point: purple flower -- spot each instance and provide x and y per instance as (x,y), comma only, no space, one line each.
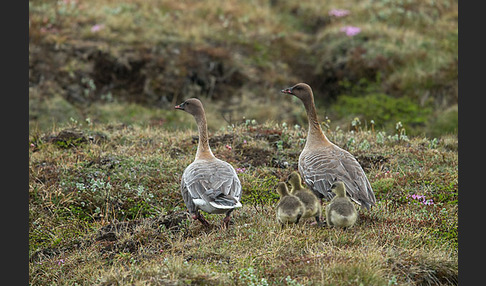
(421,199)
(338,13)
(240,170)
(97,27)
(417,197)
(428,202)
(61,261)
(350,30)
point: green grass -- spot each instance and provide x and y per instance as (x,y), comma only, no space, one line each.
(109,211)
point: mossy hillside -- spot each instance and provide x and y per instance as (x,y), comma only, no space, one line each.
(240,54)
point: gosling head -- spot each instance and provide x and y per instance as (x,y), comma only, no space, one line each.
(301,90)
(192,105)
(282,189)
(295,181)
(339,189)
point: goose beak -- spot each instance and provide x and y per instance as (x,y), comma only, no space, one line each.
(287,90)
(180,106)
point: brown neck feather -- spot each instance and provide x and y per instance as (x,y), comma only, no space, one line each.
(315,134)
(203,149)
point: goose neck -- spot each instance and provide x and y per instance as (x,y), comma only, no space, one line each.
(203,149)
(315,134)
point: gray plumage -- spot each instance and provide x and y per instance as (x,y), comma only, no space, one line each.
(322,163)
(323,166)
(340,211)
(289,208)
(208,184)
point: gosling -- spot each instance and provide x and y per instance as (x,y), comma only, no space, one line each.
(312,204)
(341,211)
(289,209)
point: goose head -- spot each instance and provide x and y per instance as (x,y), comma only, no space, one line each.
(192,106)
(339,189)
(294,180)
(282,189)
(301,90)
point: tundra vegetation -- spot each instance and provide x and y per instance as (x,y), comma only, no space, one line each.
(105,208)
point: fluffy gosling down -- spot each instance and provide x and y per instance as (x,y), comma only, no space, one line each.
(340,211)
(289,209)
(311,203)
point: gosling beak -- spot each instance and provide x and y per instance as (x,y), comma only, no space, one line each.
(287,90)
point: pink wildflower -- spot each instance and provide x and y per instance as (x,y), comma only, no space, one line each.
(338,13)
(240,170)
(428,202)
(422,199)
(416,197)
(97,27)
(351,31)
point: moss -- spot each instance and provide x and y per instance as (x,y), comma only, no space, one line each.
(384,110)
(444,122)
(55,110)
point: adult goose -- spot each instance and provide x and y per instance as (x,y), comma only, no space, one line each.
(208,184)
(321,162)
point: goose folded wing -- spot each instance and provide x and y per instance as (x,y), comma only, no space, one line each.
(213,183)
(321,169)
(357,185)
(316,173)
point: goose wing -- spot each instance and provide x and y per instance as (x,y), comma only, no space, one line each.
(321,167)
(215,182)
